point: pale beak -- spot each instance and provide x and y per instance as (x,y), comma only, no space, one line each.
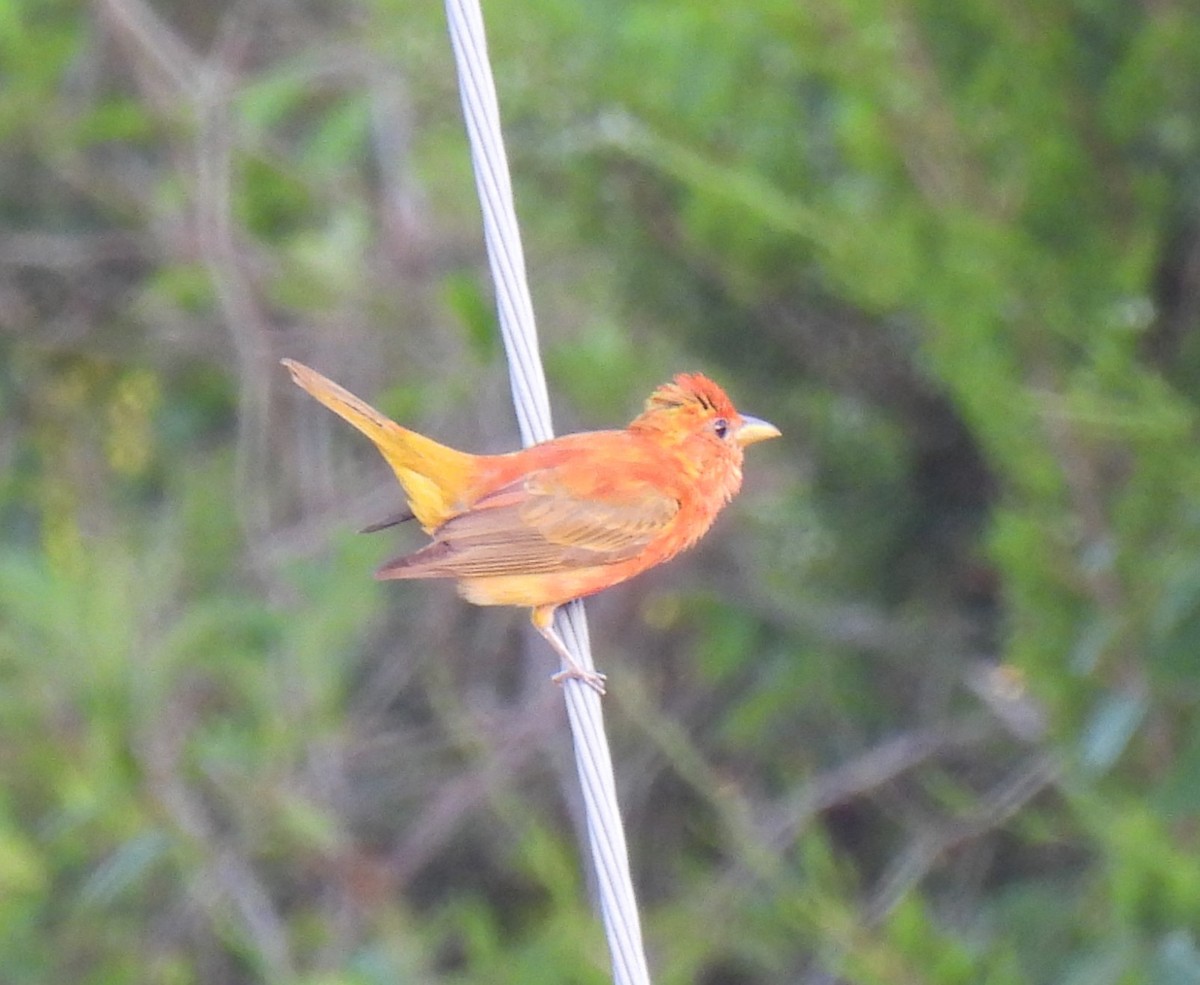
(753,430)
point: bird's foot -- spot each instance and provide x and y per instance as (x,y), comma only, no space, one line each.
(572,671)
(593,679)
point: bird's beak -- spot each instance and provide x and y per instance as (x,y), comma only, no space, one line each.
(753,430)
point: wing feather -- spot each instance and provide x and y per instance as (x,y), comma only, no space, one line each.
(539,525)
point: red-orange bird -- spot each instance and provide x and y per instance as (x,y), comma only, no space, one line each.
(570,516)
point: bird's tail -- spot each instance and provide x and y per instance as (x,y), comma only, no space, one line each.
(434,476)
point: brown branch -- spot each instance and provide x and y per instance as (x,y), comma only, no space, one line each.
(931,844)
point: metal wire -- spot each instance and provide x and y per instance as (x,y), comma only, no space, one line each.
(606,834)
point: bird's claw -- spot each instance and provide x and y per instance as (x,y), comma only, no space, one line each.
(593,679)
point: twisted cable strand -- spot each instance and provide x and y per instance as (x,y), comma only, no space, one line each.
(606,834)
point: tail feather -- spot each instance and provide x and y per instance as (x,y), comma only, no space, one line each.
(397,518)
(434,476)
(428,562)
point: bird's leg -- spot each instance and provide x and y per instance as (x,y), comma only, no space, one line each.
(543,617)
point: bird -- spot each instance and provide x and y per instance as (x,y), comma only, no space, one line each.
(565,518)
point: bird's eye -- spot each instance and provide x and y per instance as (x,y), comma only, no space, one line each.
(720,427)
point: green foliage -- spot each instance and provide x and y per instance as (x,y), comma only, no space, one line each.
(922,709)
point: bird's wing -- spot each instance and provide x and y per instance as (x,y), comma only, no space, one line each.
(552,520)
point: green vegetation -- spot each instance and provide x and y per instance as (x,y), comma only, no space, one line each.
(923,709)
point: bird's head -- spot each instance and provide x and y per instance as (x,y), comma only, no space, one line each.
(696,414)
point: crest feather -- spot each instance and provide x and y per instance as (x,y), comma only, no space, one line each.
(693,389)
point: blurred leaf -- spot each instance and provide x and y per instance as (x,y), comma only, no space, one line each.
(1112,724)
(328,259)
(187,285)
(1176,960)
(1178,795)
(339,138)
(729,640)
(1093,642)
(272,203)
(1107,965)
(121,872)
(22,866)
(595,365)
(1177,626)
(464,297)
(269,99)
